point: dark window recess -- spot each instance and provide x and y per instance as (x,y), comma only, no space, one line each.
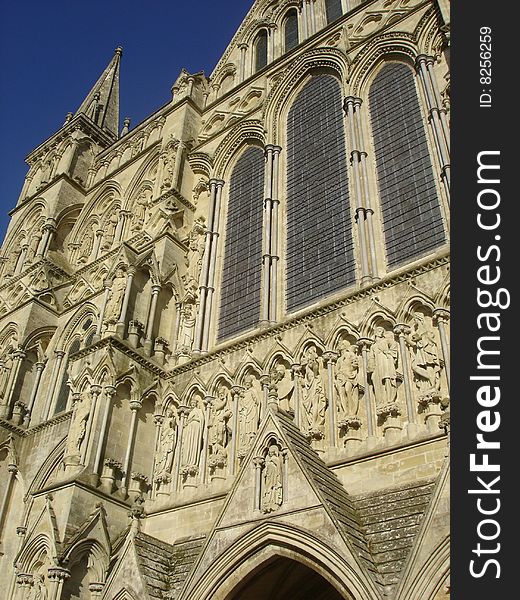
(320,254)
(241,276)
(334,10)
(291,30)
(261,50)
(412,219)
(63,396)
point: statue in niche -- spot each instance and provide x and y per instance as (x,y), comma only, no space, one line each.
(12,259)
(188,325)
(87,242)
(169,167)
(38,591)
(6,364)
(272,492)
(382,365)
(78,426)
(115,299)
(219,429)
(348,380)
(166,448)
(248,412)
(192,437)
(110,231)
(194,257)
(281,377)
(426,364)
(314,401)
(33,246)
(139,210)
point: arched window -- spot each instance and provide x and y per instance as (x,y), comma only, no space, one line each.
(320,254)
(261,50)
(412,219)
(333,9)
(241,276)
(291,30)
(63,395)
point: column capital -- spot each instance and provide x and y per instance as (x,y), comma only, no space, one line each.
(58,574)
(95,389)
(424,59)
(96,588)
(184,411)
(135,405)
(365,343)
(156,288)
(258,461)
(441,315)
(12,469)
(59,353)
(24,579)
(265,379)
(19,354)
(402,329)
(110,390)
(330,356)
(21,530)
(237,389)
(208,400)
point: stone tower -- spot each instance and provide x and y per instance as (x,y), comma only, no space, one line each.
(224,333)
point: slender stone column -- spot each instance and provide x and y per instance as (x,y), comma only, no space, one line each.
(24,583)
(304,26)
(148,342)
(237,391)
(39,366)
(365,344)
(135,406)
(48,231)
(18,358)
(264,382)
(402,330)
(110,392)
(178,163)
(442,317)
(53,382)
(275,203)
(197,346)
(97,243)
(313,27)
(259,462)
(119,228)
(266,254)
(436,113)
(121,324)
(243,63)
(355,161)
(21,260)
(212,267)
(99,328)
(330,359)
(57,577)
(183,412)
(13,470)
(208,400)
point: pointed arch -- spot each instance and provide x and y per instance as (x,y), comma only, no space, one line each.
(247,132)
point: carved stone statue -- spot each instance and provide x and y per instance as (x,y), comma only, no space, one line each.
(281,377)
(86,245)
(39,591)
(110,231)
(192,435)
(348,380)
(382,365)
(169,167)
(33,246)
(139,209)
(12,259)
(272,492)
(220,415)
(426,364)
(188,325)
(166,447)
(314,401)
(78,426)
(194,257)
(248,412)
(115,299)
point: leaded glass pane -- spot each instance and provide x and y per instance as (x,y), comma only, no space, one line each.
(291,30)
(412,219)
(241,276)
(261,50)
(320,254)
(334,10)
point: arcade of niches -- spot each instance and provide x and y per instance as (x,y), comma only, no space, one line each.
(224,332)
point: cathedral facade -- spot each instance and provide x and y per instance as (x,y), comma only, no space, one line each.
(224,333)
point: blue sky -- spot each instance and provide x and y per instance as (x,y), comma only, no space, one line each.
(53,51)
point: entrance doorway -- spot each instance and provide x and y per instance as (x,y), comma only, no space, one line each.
(284,578)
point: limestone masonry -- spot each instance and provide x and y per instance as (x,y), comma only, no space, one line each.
(224,333)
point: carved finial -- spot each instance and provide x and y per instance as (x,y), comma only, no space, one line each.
(119,51)
(126,126)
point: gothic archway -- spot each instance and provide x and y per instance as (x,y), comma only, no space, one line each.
(282,578)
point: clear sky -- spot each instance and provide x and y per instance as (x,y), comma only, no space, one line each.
(53,51)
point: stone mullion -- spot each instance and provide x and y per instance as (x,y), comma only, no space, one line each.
(365,344)
(441,136)
(199,329)
(40,366)
(442,317)
(355,161)
(110,392)
(331,359)
(152,315)
(402,330)
(369,211)
(266,238)
(121,324)
(53,382)
(212,268)
(275,204)
(135,406)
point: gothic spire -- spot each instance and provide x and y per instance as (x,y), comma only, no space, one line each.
(102,103)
